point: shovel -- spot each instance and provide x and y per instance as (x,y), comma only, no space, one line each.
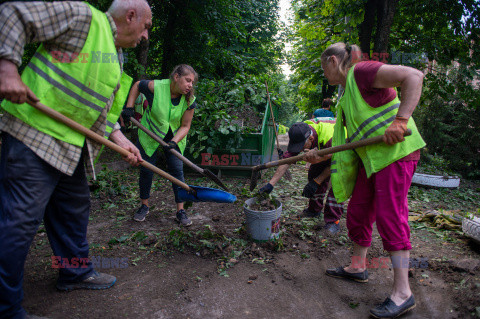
(196,192)
(323,152)
(204,172)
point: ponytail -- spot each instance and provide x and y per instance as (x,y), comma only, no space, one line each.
(347,55)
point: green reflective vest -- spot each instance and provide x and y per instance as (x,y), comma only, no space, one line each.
(78,87)
(324,132)
(161,116)
(364,121)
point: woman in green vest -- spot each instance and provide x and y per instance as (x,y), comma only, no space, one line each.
(171,104)
(376,177)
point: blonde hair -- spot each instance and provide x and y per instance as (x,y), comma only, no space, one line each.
(182,70)
(347,55)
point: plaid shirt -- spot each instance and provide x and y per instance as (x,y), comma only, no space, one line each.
(61,26)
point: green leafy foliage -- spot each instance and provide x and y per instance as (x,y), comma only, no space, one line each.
(219,38)
(230,108)
(454,104)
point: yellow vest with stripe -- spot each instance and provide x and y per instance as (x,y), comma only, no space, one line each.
(79,88)
(162,115)
(324,132)
(364,121)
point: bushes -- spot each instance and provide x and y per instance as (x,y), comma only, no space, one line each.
(449,120)
(235,106)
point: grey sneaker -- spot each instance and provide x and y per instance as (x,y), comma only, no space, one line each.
(182,218)
(141,213)
(96,280)
(332,228)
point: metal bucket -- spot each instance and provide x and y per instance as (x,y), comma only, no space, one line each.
(262,225)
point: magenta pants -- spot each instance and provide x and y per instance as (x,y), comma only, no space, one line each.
(382,198)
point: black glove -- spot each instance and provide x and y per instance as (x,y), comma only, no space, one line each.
(266,189)
(127,113)
(280,153)
(310,189)
(170,146)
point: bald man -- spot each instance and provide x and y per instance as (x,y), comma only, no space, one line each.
(78,71)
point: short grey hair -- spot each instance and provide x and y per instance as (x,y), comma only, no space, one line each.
(119,8)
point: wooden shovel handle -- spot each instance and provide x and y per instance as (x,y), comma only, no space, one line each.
(163,143)
(100,139)
(326,151)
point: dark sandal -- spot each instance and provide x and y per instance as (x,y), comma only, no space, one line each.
(388,309)
(341,273)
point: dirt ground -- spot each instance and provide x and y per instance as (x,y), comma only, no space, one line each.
(213,270)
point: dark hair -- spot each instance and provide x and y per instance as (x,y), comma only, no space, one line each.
(182,70)
(327,103)
(347,55)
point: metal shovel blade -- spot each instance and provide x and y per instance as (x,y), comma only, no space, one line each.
(213,177)
(205,194)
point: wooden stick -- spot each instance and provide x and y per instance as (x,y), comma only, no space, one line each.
(100,139)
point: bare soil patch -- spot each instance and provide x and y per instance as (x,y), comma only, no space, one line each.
(213,270)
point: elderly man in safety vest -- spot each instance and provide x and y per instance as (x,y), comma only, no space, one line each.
(306,136)
(78,71)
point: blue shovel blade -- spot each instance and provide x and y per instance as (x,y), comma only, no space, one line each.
(206,194)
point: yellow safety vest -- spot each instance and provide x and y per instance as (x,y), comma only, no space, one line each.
(161,116)
(364,121)
(79,88)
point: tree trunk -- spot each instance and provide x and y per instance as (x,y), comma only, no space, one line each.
(142,58)
(385,14)
(366,27)
(168,47)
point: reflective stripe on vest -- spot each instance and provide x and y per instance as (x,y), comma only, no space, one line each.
(76,89)
(376,127)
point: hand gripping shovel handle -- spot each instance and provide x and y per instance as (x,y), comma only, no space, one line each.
(200,170)
(100,139)
(326,151)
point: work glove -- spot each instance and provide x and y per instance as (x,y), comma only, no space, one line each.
(266,189)
(310,189)
(170,146)
(394,133)
(280,153)
(127,113)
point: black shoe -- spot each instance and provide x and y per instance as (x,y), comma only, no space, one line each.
(388,309)
(141,213)
(341,273)
(307,213)
(96,280)
(183,219)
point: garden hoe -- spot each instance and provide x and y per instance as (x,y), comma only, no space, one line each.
(186,192)
(204,172)
(323,152)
